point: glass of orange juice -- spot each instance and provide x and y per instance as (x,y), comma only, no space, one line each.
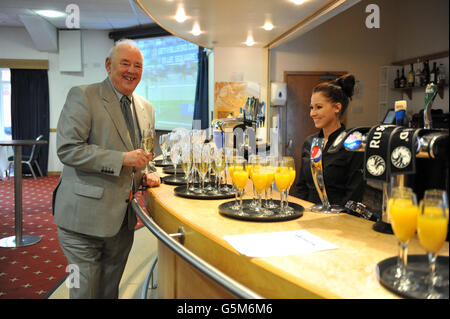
(282,178)
(259,179)
(403,211)
(240,178)
(432,224)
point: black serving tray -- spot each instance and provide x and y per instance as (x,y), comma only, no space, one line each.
(183,192)
(251,215)
(418,267)
(172,180)
(159,163)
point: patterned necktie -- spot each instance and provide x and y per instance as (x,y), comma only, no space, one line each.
(126,110)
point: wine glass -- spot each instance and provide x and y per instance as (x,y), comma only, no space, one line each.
(175,155)
(240,178)
(259,179)
(205,163)
(196,161)
(403,211)
(432,224)
(186,162)
(219,166)
(292,174)
(147,143)
(163,143)
(270,167)
(283,177)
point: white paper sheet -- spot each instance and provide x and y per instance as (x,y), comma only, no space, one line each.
(278,244)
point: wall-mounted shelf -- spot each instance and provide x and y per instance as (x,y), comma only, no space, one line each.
(408,90)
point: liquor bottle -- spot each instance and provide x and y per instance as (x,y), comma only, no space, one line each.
(397,80)
(433,74)
(441,75)
(426,72)
(418,74)
(411,76)
(403,79)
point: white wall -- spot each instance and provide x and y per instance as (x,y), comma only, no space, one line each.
(17,44)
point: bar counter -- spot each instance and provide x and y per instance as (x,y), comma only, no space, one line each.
(347,272)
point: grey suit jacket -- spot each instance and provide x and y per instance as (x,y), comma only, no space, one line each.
(92,139)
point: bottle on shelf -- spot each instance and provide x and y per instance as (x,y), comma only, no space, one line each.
(418,75)
(441,75)
(411,76)
(433,74)
(426,72)
(397,80)
(403,78)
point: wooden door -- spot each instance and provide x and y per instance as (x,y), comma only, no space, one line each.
(298,123)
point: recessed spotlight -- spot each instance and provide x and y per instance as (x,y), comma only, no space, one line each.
(298,2)
(249,42)
(268,26)
(51,13)
(196,29)
(180,15)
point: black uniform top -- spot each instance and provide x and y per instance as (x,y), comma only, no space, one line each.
(343,173)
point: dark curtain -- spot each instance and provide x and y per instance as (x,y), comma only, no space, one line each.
(201,92)
(30,116)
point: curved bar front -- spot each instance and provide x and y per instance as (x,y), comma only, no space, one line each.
(346,272)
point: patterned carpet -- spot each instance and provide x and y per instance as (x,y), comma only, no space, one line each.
(31,272)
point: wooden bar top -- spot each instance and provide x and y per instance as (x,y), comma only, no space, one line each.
(347,272)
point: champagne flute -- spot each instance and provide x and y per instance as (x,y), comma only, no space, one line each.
(147,143)
(282,178)
(292,174)
(219,165)
(432,224)
(186,162)
(259,179)
(403,211)
(252,162)
(163,143)
(175,155)
(204,164)
(240,178)
(271,167)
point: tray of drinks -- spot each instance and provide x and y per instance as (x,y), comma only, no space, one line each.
(162,163)
(251,213)
(209,192)
(418,271)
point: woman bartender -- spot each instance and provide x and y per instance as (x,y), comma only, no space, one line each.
(343,175)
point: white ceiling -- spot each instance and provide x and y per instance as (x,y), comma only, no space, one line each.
(228,22)
(223,22)
(94,14)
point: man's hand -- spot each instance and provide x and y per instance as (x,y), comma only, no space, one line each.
(151,179)
(137,158)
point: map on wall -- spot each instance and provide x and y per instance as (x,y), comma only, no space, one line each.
(229,97)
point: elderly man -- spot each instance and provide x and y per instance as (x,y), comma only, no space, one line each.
(98,141)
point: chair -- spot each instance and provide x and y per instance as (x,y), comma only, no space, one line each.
(31,159)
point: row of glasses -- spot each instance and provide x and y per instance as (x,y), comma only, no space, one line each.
(263,172)
(430,219)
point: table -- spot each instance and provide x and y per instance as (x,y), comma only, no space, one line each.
(348,272)
(19,240)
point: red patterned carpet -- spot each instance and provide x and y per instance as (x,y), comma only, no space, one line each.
(31,272)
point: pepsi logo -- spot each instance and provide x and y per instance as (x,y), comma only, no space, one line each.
(316,154)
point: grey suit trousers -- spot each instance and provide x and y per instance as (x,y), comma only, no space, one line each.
(100,260)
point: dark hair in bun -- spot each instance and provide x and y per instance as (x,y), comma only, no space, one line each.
(338,91)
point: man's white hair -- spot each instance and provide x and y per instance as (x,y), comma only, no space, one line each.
(113,50)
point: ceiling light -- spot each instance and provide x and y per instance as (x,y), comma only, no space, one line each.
(298,2)
(268,26)
(250,41)
(196,29)
(50,13)
(180,16)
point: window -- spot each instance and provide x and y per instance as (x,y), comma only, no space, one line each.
(5,105)
(169,80)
